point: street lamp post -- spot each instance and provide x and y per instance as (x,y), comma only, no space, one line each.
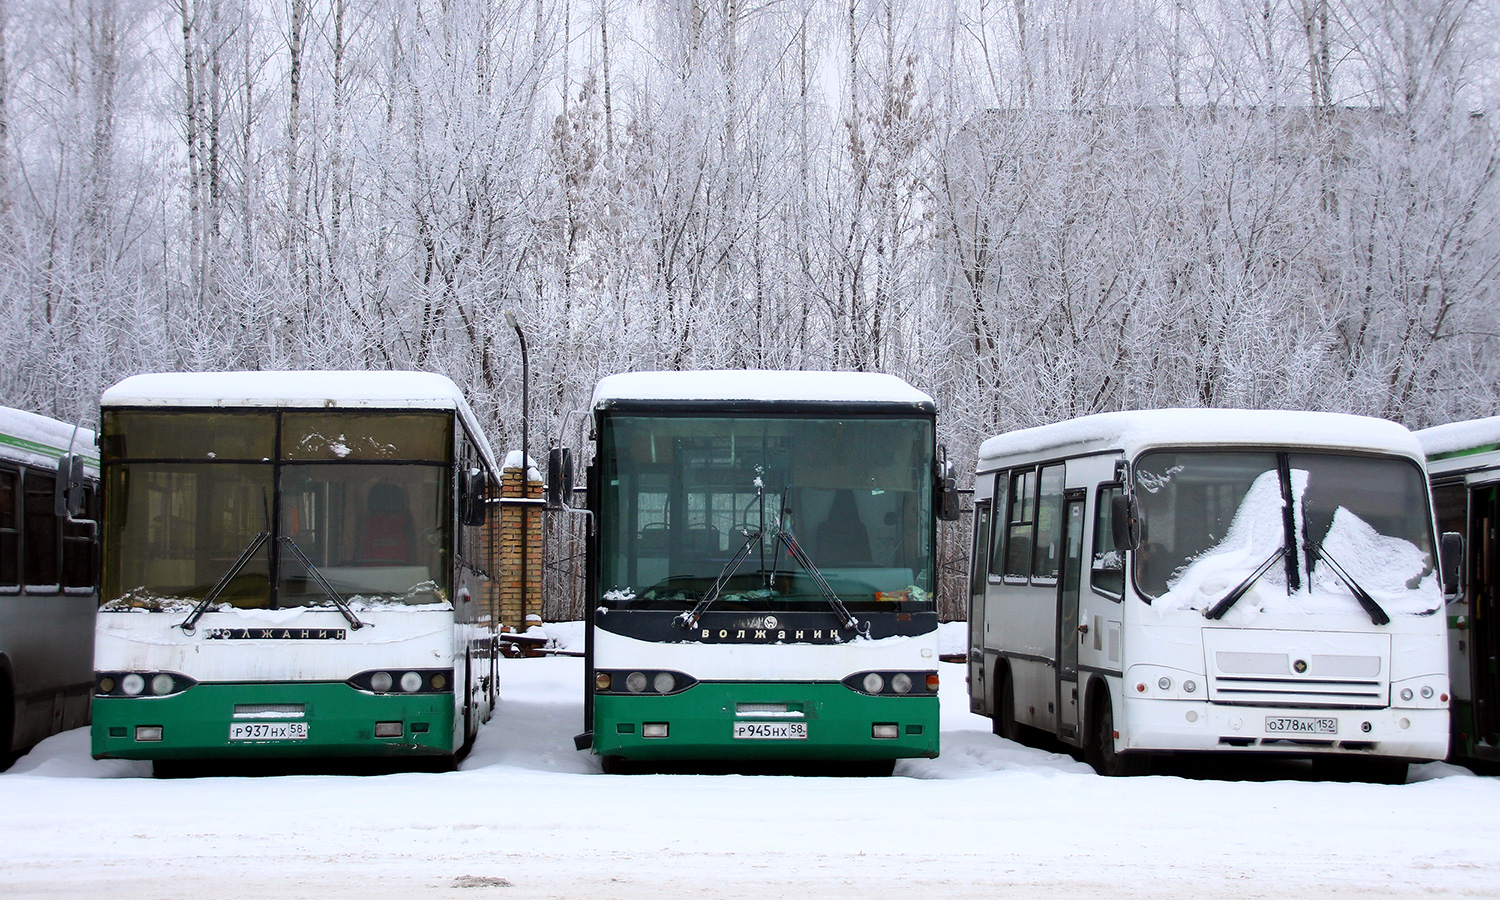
(510,319)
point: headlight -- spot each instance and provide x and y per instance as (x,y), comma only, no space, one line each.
(133,684)
(663,682)
(873,683)
(381,682)
(411,682)
(1406,694)
(1164,683)
(635,682)
(161,684)
(901,683)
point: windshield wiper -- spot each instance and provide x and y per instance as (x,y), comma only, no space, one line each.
(1377,615)
(338,599)
(1218,610)
(690,619)
(213,594)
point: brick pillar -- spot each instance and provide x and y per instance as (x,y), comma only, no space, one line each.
(521,561)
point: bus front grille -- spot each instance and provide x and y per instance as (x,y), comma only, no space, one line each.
(1301,692)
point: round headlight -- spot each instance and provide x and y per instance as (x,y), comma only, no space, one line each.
(1164,683)
(411,682)
(874,684)
(664,682)
(161,684)
(1406,694)
(380,682)
(132,684)
(1190,685)
(635,682)
(1426,692)
(901,683)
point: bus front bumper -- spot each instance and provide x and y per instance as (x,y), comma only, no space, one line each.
(1200,726)
(272,720)
(765,721)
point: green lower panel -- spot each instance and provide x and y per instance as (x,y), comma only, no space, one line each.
(700,723)
(339,720)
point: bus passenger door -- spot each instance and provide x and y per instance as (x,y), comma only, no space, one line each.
(1068,634)
(1484,612)
(979,566)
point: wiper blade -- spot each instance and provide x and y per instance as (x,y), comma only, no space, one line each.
(801,556)
(1377,615)
(689,619)
(1218,610)
(338,599)
(213,594)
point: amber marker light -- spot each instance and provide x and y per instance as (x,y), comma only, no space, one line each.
(601,681)
(932,682)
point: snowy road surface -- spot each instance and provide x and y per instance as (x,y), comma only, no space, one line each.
(527,817)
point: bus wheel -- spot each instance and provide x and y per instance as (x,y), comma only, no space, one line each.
(1101,754)
(615,765)
(1004,719)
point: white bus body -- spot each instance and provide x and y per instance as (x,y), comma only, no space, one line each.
(1463,460)
(47,582)
(1177,644)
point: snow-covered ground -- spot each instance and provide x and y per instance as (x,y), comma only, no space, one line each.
(527,816)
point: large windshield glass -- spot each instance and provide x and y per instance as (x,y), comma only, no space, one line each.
(275,509)
(683,496)
(1211,520)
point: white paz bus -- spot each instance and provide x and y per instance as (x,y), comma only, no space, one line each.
(1211,581)
(295,564)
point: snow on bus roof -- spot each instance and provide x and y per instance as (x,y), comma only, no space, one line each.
(1137,430)
(758,385)
(1456,437)
(41,441)
(330,389)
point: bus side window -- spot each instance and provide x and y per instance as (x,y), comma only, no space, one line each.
(997,529)
(1021,522)
(1107,574)
(10,532)
(980,565)
(41,530)
(1046,558)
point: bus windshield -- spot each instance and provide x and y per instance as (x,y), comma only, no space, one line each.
(688,500)
(1213,522)
(351,504)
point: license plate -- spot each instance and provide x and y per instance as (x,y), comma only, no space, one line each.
(268,731)
(770,731)
(1301,725)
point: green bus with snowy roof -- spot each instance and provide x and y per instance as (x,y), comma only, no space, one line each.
(294,565)
(761,570)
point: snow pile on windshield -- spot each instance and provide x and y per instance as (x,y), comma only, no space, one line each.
(1395,572)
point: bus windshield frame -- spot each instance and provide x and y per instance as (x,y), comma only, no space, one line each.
(272,507)
(1215,521)
(855,492)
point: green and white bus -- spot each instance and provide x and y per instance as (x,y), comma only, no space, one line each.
(295,564)
(48,574)
(1211,581)
(1463,460)
(761,569)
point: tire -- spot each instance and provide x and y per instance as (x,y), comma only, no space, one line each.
(615,765)
(1100,750)
(1003,722)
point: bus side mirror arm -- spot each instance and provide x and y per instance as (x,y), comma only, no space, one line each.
(1125,522)
(1451,558)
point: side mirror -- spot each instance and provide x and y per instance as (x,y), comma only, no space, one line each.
(1451,557)
(559,477)
(475,485)
(67,500)
(947,485)
(1125,522)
